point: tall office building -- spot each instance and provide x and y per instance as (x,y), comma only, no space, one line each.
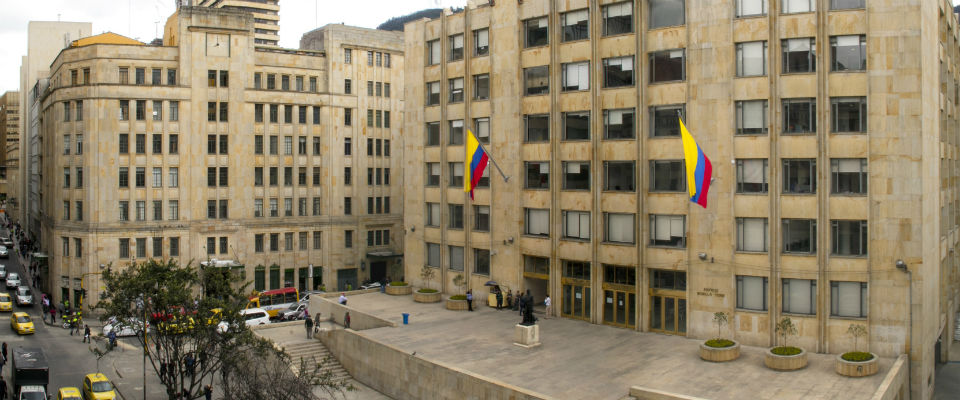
(212,147)
(831,125)
(266,17)
(9,146)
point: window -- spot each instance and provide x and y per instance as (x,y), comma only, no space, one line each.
(66,111)
(66,211)
(667,176)
(538,175)
(668,230)
(288,241)
(211,111)
(666,13)
(799,55)
(258,208)
(799,296)
(173,145)
(287,114)
(576,225)
(536,32)
(618,72)
(536,80)
(456,47)
(618,228)
(79,106)
(536,222)
(171,76)
(124,75)
(386,90)
(799,116)
(576,76)
(433,52)
(456,174)
(799,176)
(211,209)
(157,210)
(347,206)
(347,176)
(433,214)
(667,66)
(433,255)
(274,113)
(752,117)
(66,177)
(174,177)
(123,177)
(664,121)
(157,177)
(157,143)
(316,145)
(752,175)
(618,124)
(576,175)
(141,110)
(141,210)
(271,81)
(481,218)
(752,234)
(456,216)
(750,8)
(347,56)
(481,87)
(257,79)
(288,207)
(124,210)
(433,174)
(617,18)
(347,146)
(537,128)
(848,299)
(174,111)
(618,176)
(141,76)
(301,145)
(211,78)
(799,6)
(576,125)
(849,237)
(79,149)
(369,88)
(124,246)
(536,265)
(456,258)
(347,116)
(124,110)
(79,171)
(66,144)
(274,208)
(847,5)
(433,93)
(456,133)
(752,58)
(575,25)
(302,114)
(316,206)
(848,175)
(456,90)
(752,292)
(347,89)
(287,176)
(299,83)
(386,59)
(799,236)
(481,261)
(285,82)
(481,42)
(848,114)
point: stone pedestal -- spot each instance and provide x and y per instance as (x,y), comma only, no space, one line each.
(399,290)
(857,369)
(720,354)
(785,363)
(526,336)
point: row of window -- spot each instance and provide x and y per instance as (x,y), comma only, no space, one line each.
(77,247)
(211,246)
(260,279)
(378,147)
(288,109)
(382,118)
(481,258)
(271,83)
(378,205)
(288,175)
(140,177)
(173,210)
(382,88)
(847,299)
(78,177)
(481,129)
(78,216)
(258,211)
(141,247)
(140,143)
(140,76)
(274,143)
(288,241)
(157,110)
(378,58)
(481,90)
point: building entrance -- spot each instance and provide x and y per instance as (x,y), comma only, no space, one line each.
(575,292)
(618,308)
(668,314)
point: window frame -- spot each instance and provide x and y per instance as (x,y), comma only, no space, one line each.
(765,285)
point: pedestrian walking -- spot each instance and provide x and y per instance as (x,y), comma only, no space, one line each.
(308,325)
(86,334)
(190,363)
(316,323)
(346,321)
(53,315)
(74,326)
(470,300)
(509,300)
(2,363)
(3,351)
(499,295)
(547,303)
(208,392)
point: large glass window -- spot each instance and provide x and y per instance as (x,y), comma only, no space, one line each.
(536,32)
(456,47)
(618,124)
(800,236)
(752,117)
(848,53)
(799,6)
(433,133)
(752,234)
(536,80)
(433,93)
(665,279)
(752,175)
(433,174)
(848,175)
(481,261)
(619,176)
(799,116)
(848,299)
(433,255)
(481,218)
(749,8)
(456,174)
(455,131)
(848,114)
(433,214)
(576,225)
(619,228)
(537,128)
(667,65)
(799,55)
(667,176)
(576,76)
(668,230)
(576,125)
(537,175)
(752,58)
(665,120)
(618,71)
(456,257)
(481,128)
(481,42)
(576,175)
(456,216)
(617,18)
(433,52)
(752,292)
(800,176)
(481,87)
(846,4)
(456,90)
(666,13)
(799,296)
(575,25)
(849,237)
(536,222)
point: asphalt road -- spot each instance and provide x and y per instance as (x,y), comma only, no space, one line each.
(70,359)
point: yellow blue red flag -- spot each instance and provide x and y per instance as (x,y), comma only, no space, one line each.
(699,169)
(475,163)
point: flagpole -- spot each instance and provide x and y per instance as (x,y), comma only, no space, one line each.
(490,157)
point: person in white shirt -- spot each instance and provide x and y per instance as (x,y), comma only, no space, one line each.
(547,303)
(343,299)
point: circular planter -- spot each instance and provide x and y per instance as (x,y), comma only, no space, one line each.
(456,305)
(720,354)
(857,369)
(785,363)
(399,290)
(426,297)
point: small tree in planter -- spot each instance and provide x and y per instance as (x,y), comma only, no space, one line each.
(460,282)
(427,273)
(721,319)
(785,328)
(857,331)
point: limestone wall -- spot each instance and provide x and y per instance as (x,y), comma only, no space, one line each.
(359,320)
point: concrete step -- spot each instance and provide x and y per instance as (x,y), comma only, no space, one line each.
(315,351)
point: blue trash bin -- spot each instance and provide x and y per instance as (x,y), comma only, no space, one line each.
(406,318)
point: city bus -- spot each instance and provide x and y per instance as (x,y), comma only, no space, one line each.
(275,300)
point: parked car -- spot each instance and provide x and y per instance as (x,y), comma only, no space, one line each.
(98,387)
(6,242)
(370,285)
(13,280)
(21,323)
(24,296)
(68,393)
(305,298)
(255,316)
(130,327)
(6,304)
(3,271)
(4,253)
(294,312)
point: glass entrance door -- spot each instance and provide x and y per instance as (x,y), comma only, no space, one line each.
(619,308)
(576,300)
(668,314)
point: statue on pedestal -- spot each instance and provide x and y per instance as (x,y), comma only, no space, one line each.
(526,303)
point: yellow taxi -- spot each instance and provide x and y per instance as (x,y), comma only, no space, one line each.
(6,304)
(98,387)
(68,393)
(21,323)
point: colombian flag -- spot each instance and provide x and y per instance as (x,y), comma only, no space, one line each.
(699,168)
(476,162)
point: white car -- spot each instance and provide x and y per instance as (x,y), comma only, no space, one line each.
(13,280)
(255,316)
(4,253)
(24,297)
(3,271)
(132,327)
(6,242)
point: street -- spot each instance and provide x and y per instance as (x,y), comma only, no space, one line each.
(68,357)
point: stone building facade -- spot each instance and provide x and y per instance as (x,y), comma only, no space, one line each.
(266,17)
(9,146)
(832,130)
(211,147)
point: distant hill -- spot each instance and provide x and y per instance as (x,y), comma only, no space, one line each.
(396,23)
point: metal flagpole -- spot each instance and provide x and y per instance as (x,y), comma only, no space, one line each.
(505,177)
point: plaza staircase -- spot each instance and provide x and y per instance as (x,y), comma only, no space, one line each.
(315,350)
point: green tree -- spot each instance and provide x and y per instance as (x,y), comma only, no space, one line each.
(857,331)
(720,318)
(427,273)
(786,328)
(460,282)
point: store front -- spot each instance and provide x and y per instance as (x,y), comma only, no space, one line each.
(668,302)
(575,291)
(620,296)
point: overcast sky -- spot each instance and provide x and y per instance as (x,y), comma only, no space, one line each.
(144,19)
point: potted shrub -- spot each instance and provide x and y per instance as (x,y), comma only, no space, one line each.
(399,288)
(784,357)
(458,302)
(426,294)
(857,363)
(720,349)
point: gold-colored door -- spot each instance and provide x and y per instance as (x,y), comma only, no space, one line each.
(668,314)
(619,308)
(575,299)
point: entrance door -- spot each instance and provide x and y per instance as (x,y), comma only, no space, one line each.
(618,308)
(576,300)
(347,278)
(668,314)
(378,271)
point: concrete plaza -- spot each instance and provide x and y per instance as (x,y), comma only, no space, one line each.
(579,360)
